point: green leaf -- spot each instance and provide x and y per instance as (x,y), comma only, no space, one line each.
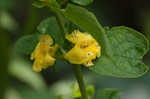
(51,27)
(26,44)
(82,2)
(122,48)
(128,47)
(108,93)
(38,4)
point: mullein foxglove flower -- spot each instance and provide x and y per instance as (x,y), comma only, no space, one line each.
(85,49)
(43,53)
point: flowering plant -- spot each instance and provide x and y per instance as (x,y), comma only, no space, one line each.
(75,36)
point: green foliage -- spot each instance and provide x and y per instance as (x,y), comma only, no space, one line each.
(128,48)
(51,27)
(87,22)
(38,4)
(51,3)
(90,90)
(7,21)
(26,44)
(122,47)
(108,93)
(22,70)
(82,2)
(6,4)
(62,2)
(31,94)
(54,3)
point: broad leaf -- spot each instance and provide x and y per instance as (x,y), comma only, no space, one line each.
(108,93)
(82,2)
(122,47)
(128,47)
(26,44)
(51,27)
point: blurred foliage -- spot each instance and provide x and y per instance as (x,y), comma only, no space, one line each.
(7,21)
(82,2)
(76,92)
(26,44)
(22,70)
(108,94)
(6,4)
(4,56)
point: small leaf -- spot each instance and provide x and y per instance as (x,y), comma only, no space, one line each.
(122,48)
(38,4)
(51,27)
(26,44)
(108,93)
(82,2)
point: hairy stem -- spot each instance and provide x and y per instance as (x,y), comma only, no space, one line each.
(79,77)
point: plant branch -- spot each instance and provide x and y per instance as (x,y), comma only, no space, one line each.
(60,22)
(59,18)
(79,77)
(77,69)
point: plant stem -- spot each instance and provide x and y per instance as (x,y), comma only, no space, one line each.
(59,18)
(60,22)
(77,69)
(79,77)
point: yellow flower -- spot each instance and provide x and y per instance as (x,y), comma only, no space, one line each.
(85,49)
(43,53)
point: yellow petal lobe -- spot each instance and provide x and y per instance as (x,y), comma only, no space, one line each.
(43,53)
(85,49)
